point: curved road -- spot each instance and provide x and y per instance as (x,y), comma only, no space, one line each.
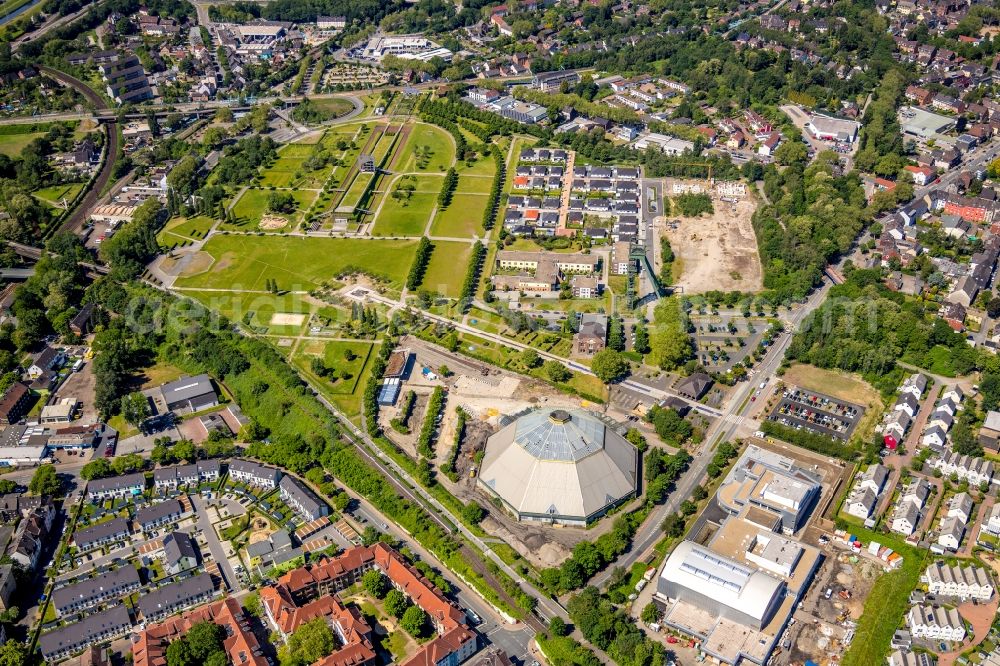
(75,221)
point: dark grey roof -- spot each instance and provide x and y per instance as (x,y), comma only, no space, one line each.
(176,594)
(91,589)
(113,527)
(187,388)
(303,496)
(155,512)
(177,545)
(116,483)
(73,636)
(695,385)
(254,469)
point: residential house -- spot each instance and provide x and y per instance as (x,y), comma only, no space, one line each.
(936,623)
(964,582)
(304,501)
(93,629)
(179,552)
(157,515)
(254,474)
(593,333)
(100,589)
(174,597)
(88,538)
(128,485)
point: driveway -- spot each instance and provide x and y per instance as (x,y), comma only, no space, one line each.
(980,616)
(214,545)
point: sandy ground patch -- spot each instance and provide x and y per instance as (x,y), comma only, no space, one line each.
(189,264)
(716,251)
(287,319)
(271,222)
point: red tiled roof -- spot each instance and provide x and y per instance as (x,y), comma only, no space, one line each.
(150,648)
(448,620)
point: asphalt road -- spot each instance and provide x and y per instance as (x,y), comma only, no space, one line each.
(214,545)
(721,430)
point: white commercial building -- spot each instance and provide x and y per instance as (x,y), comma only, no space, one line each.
(560,466)
(826,128)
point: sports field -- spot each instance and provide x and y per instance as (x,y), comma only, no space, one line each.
(446,269)
(296,263)
(429,148)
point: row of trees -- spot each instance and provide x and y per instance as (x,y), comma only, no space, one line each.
(420,259)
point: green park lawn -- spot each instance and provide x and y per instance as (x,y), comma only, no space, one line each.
(462,218)
(405,217)
(484,166)
(446,270)
(335,106)
(356,193)
(298,263)
(252,206)
(433,143)
(295,150)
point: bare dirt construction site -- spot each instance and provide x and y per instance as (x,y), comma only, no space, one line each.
(718,250)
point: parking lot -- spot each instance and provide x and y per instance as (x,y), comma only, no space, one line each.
(817,413)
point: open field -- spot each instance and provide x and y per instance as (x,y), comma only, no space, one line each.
(717,250)
(407,217)
(463,218)
(428,148)
(11,145)
(446,269)
(252,206)
(297,263)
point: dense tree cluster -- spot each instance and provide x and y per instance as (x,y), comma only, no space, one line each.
(669,343)
(240,162)
(813,217)
(865,328)
(609,628)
